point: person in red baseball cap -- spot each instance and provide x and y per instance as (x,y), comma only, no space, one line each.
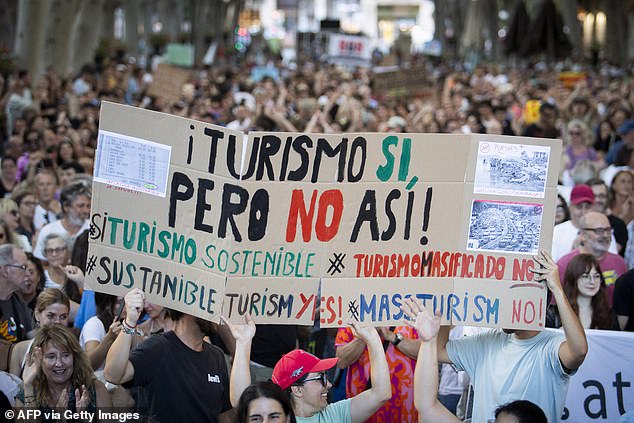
(303,377)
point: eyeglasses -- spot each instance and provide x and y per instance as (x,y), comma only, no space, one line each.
(54,251)
(599,231)
(574,133)
(22,267)
(591,277)
(322,377)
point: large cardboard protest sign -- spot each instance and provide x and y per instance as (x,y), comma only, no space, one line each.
(284,210)
(415,81)
(168,82)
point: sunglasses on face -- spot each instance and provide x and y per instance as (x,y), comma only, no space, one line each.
(322,378)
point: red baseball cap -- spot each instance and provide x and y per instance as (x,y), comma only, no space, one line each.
(297,363)
(581,193)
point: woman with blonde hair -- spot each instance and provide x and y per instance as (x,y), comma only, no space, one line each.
(58,374)
(578,141)
(10,215)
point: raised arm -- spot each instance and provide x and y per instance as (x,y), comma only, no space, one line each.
(366,403)
(240,370)
(573,350)
(118,368)
(350,352)
(426,372)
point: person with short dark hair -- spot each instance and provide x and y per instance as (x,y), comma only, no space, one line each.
(265,402)
(506,364)
(430,409)
(182,377)
(545,126)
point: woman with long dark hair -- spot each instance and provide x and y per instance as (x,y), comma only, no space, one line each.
(585,288)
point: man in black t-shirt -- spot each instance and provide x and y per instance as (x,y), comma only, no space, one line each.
(270,343)
(624,301)
(15,316)
(182,377)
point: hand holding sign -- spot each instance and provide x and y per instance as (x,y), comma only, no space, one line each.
(547,272)
(133,306)
(241,333)
(420,318)
(365,333)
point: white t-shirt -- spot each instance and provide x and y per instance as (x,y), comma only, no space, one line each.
(93,330)
(504,368)
(42,217)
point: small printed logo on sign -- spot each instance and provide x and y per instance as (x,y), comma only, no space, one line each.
(213,379)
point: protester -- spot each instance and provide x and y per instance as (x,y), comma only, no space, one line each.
(619,230)
(94,338)
(508,364)
(594,239)
(8,175)
(621,196)
(303,377)
(430,409)
(624,301)
(562,213)
(47,208)
(400,352)
(58,273)
(265,402)
(33,282)
(158,320)
(182,377)
(58,375)
(75,200)
(52,307)
(15,320)
(566,235)
(26,210)
(579,139)
(587,294)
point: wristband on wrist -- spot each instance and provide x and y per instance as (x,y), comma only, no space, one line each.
(127,329)
(125,323)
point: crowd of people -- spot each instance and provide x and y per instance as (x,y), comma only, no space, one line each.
(71,347)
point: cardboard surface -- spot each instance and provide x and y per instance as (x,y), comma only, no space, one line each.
(168,82)
(413,81)
(385,209)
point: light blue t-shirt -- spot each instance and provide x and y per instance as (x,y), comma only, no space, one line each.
(338,412)
(504,368)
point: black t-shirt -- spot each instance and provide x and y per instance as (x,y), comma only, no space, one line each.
(178,383)
(15,319)
(624,298)
(620,232)
(271,342)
